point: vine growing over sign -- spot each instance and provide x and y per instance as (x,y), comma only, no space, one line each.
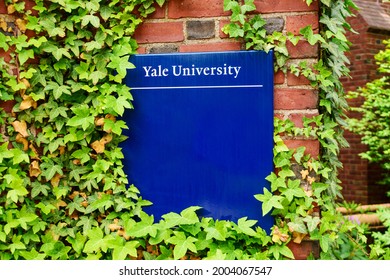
(63,191)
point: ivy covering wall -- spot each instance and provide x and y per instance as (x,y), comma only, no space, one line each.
(64,194)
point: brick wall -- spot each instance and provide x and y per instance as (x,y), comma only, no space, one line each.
(195,26)
(358,176)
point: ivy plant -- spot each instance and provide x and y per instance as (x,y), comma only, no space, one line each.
(374,125)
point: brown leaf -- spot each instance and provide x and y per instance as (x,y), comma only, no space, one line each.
(55,181)
(21,127)
(298,237)
(61,203)
(35,171)
(61,149)
(279,236)
(98,146)
(106,138)
(35,154)
(99,121)
(20,139)
(27,103)
(122,233)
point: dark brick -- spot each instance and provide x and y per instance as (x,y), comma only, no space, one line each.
(197,29)
(274,24)
(164,49)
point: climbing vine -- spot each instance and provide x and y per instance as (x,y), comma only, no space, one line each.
(63,191)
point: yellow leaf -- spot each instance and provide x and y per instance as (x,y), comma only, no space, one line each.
(55,181)
(304,174)
(62,203)
(279,236)
(20,139)
(114,227)
(27,103)
(99,121)
(21,127)
(11,9)
(21,24)
(311,180)
(3,25)
(35,171)
(298,237)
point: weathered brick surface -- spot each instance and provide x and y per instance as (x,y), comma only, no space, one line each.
(293,99)
(294,23)
(195,8)
(200,29)
(211,47)
(277,6)
(160,32)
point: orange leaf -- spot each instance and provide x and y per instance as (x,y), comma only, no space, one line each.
(35,171)
(21,24)
(99,121)
(55,181)
(20,139)
(11,9)
(106,138)
(27,103)
(298,237)
(98,146)
(21,127)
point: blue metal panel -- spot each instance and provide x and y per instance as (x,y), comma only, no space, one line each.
(201,132)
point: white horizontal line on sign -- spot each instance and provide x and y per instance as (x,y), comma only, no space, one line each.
(199,87)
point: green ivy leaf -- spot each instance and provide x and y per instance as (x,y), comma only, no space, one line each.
(245,226)
(182,244)
(121,64)
(269,201)
(90,19)
(143,228)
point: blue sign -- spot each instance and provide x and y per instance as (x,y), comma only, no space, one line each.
(201,132)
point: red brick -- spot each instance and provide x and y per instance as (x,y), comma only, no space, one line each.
(159,32)
(312,146)
(141,50)
(305,249)
(296,22)
(159,13)
(5,55)
(276,6)
(279,78)
(195,8)
(295,99)
(293,80)
(3,9)
(222,23)
(7,105)
(302,50)
(211,47)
